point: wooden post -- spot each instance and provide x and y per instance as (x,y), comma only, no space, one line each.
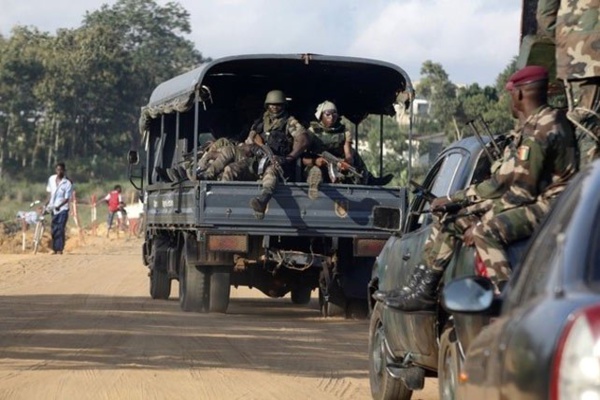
(76,217)
(94,215)
(23,234)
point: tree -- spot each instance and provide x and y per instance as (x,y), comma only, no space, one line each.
(436,87)
(77,95)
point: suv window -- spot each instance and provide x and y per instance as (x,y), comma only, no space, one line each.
(439,181)
(446,175)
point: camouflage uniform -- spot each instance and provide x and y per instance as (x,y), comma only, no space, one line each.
(232,162)
(331,140)
(284,135)
(575,27)
(546,159)
(441,242)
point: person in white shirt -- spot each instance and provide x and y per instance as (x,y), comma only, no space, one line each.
(60,189)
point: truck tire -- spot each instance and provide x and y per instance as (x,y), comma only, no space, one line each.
(160,283)
(301,295)
(220,289)
(449,365)
(193,293)
(329,309)
(383,385)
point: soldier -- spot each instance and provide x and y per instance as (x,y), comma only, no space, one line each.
(538,162)
(286,138)
(230,162)
(574,25)
(329,134)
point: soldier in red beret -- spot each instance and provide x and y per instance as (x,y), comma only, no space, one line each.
(539,161)
(547,157)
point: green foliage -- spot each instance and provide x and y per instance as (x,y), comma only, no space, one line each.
(453,107)
(75,96)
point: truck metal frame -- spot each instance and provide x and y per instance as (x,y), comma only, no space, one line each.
(203,233)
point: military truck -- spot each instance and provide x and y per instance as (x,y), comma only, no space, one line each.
(205,235)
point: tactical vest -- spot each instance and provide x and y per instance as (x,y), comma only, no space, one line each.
(328,139)
(276,137)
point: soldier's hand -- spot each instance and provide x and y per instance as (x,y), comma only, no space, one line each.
(320,162)
(439,202)
(343,166)
(468,238)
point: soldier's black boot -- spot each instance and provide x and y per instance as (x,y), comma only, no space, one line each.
(420,294)
(259,205)
(382,180)
(413,280)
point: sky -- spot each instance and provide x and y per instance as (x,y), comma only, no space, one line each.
(474,40)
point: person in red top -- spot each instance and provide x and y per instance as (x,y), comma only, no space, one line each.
(115,206)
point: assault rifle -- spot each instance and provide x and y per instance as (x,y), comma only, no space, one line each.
(269,156)
(336,165)
(495,153)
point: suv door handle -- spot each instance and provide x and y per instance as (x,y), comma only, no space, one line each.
(406,256)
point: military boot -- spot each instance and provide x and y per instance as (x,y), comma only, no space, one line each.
(259,205)
(381,181)
(385,295)
(314,179)
(420,294)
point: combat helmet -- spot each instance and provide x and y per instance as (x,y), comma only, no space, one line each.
(275,97)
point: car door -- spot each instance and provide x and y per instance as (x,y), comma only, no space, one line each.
(416,332)
(505,349)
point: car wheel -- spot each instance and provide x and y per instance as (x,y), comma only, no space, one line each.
(383,385)
(449,363)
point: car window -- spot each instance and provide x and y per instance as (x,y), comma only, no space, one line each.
(439,181)
(544,252)
(446,175)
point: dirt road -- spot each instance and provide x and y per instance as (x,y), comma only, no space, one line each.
(81,326)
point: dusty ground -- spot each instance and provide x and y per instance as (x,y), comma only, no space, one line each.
(82,326)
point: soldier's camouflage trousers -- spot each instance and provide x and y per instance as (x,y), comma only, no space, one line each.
(492,237)
(584,111)
(222,157)
(441,242)
(245,170)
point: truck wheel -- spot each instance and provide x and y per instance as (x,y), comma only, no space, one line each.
(220,288)
(160,283)
(383,385)
(301,295)
(329,309)
(193,295)
(449,363)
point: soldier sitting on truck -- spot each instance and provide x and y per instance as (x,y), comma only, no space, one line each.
(533,173)
(328,134)
(285,137)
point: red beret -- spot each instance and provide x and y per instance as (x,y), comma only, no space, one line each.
(531,73)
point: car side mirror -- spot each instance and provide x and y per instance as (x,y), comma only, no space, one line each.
(387,218)
(470,294)
(132,157)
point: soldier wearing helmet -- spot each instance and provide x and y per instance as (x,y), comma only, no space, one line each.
(286,138)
